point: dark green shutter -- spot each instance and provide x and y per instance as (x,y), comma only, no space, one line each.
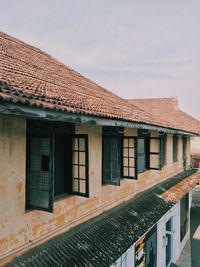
(39,170)
(141,155)
(111,160)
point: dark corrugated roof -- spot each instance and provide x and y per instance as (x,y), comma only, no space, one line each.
(101,241)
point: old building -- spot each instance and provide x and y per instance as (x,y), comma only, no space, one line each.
(109,180)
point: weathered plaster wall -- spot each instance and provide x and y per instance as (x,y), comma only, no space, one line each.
(195,145)
(18,227)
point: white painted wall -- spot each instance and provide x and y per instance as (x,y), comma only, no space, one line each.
(127,259)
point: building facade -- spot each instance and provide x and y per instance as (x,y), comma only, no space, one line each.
(64,163)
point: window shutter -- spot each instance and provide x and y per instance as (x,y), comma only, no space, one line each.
(39,178)
(111,160)
(80,176)
(141,158)
(129,162)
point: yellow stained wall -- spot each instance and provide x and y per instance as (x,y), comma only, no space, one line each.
(18,227)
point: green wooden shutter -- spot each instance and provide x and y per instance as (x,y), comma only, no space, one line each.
(111,160)
(80,173)
(39,173)
(141,157)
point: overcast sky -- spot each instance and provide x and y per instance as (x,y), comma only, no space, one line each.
(134,48)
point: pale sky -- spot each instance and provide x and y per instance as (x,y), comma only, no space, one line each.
(134,48)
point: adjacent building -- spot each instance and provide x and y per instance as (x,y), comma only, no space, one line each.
(87,178)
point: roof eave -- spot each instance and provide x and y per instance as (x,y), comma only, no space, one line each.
(9,108)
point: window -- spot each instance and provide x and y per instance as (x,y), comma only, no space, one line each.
(80,165)
(175,147)
(129,163)
(111,155)
(57,163)
(157,152)
(184,216)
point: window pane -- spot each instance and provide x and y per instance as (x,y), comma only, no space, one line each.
(155,161)
(82,158)
(155,145)
(125,171)
(125,152)
(132,172)
(82,144)
(82,172)
(75,158)
(131,152)
(131,143)
(75,185)
(82,186)
(125,142)
(75,171)
(125,162)
(131,162)
(75,144)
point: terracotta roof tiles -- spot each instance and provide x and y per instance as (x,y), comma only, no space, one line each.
(31,77)
(168,110)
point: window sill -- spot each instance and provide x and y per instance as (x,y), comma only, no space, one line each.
(61,197)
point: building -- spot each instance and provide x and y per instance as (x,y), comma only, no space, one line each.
(109,180)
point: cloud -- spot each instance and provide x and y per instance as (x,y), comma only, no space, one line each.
(137,48)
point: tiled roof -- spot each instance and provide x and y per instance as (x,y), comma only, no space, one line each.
(101,241)
(168,110)
(31,77)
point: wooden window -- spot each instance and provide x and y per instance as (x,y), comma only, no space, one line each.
(129,163)
(80,184)
(157,151)
(57,164)
(175,148)
(184,216)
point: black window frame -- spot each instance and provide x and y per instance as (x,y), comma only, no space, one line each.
(160,153)
(86,165)
(128,157)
